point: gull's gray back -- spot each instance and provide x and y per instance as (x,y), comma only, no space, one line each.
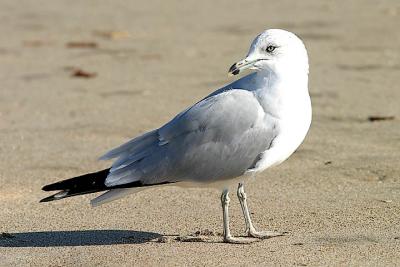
(218,138)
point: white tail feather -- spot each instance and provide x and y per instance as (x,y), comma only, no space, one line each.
(114,194)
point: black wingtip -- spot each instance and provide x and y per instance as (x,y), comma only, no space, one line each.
(47,199)
(55,186)
(83,184)
(44,200)
(57,196)
(46,188)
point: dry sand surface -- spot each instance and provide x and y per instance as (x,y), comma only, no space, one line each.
(338,196)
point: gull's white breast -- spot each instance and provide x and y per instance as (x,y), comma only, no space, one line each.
(290,113)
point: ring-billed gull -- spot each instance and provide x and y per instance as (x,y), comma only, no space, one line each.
(237,131)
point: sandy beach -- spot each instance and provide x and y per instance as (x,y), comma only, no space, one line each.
(79,78)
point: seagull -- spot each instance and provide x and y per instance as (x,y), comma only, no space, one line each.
(239,130)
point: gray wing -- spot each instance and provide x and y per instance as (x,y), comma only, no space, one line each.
(218,138)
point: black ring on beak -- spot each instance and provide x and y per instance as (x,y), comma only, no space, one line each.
(233,69)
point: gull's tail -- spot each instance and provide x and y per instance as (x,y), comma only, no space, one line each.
(84,184)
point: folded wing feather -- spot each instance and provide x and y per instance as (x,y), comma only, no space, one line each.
(217,138)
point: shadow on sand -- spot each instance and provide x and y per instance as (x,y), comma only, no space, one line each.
(75,238)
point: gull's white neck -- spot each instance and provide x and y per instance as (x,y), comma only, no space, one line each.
(282,81)
(282,92)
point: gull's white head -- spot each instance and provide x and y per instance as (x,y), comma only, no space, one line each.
(277,51)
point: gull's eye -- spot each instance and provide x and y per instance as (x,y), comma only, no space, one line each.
(270,48)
